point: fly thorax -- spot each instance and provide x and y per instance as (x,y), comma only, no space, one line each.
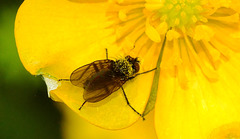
(123,68)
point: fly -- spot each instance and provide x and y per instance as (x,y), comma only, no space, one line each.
(103,77)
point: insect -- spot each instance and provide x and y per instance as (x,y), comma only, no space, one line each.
(103,77)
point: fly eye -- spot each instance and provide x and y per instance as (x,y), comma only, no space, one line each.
(136,67)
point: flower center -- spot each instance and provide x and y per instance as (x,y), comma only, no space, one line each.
(179,13)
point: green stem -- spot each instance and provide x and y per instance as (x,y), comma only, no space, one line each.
(153,94)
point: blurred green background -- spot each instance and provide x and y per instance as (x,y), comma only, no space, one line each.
(26,112)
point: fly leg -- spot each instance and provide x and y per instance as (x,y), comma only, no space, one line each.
(141,73)
(82,105)
(63,80)
(131,105)
(106,53)
(145,72)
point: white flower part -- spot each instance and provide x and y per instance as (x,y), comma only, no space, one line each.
(51,84)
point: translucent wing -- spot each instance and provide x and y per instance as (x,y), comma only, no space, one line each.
(101,86)
(82,74)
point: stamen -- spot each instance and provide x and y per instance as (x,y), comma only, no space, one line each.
(151,32)
(215,54)
(231,18)
(203,32)
(221,48)
(209,73)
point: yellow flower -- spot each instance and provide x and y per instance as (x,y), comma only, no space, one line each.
(194,44)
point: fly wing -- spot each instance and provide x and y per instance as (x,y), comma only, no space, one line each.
(101,86)
(82,74)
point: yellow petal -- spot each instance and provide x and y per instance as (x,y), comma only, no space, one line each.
(235,5)
(197,111)
(46,34)
(228,131)
(75,128)
(56,37)
(88,1)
